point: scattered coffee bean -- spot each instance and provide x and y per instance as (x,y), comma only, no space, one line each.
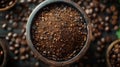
(15,58)
(16,52)
(113,8)
(4,25)
(6,3)
(105,21)
(22,57)
(22,13)
(22,50)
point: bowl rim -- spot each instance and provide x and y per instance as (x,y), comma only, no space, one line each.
(28,35)
(109,49)
(6,8)
(2,44)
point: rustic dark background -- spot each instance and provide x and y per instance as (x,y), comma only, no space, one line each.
(104,14)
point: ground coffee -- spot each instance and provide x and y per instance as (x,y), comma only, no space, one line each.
(58,32)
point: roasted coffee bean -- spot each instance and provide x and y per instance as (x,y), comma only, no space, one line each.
(4,25)
(107,28)
(14,25)
(7,38)
(21,11)
(105,20)
(9,34)
(14,35)
(6,3)
(22,50)
(116,27)
(22,57)
(9,28)
(114,55)
(13,20)
(113,8)
(16,52)
(15,58)
(114,22)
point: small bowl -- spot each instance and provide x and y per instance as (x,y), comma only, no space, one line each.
(108,51)
(29,40)
(6,8)
(3,45)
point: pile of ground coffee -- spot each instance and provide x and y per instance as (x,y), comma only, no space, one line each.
(59,32)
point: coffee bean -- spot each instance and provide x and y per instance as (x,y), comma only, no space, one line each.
(37,64)
(15,24)
(11,43)
(118,59)
(102,24)
(103,40)
(114,22)
(107,28)
(119,55)
(22,1)
(22,58)
(99,49)
(11,48)
(115,27)
(114,55)
(103,9)
(6,3)
(22,50)
(16,52)
(114,17)
(4,25)
(9,34)
(108,39)
(9,28)
(118,65)
(14,35)
(17,45)
(27,56)
(15,58)
(10,3)
(7,38)
(116,51)
(18,40)
(107,18)
(113,8)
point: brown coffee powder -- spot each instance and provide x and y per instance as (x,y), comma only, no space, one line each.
(59,32)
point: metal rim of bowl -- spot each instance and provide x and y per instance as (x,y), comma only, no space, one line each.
(6,8)
(2,44)
(108,51)
(28,35)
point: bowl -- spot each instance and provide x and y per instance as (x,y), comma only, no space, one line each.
(4,48)
(10,6)
(29,25)
(109,51)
